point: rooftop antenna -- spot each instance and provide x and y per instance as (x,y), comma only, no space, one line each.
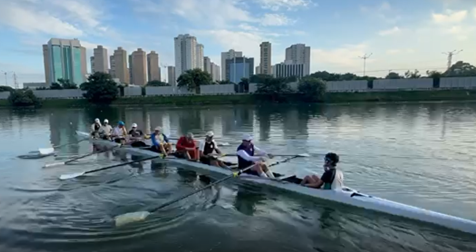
(365,57)
(450,57)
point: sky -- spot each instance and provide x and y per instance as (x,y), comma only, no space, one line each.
(400,34)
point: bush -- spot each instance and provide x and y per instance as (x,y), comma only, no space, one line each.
(312,89)
(6,89)
(23,98)
(100,88)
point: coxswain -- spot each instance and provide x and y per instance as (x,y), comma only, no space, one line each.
(160,142)
(332,178)
(120,133)
(95,128)
(136,136)
(106,130)
(206,150)
(186,148)
(246,158)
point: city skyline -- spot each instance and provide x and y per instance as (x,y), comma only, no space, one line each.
(400,35)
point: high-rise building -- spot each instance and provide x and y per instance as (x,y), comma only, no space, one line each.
(265,58)
(239,67)
(299,54)
(139,67)
(171,76)
(185,53)
(288,69)
(113,67)
(207,65)
(153,70)
(257,68)
(228,55)
(100,59)
(215,71)
(92,64)
(199,58)
(120,65)
(64,59)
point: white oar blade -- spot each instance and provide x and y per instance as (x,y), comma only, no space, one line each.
(46,151)
(129,218)
(223,144)
(303,155)
(71,176)
(53,164)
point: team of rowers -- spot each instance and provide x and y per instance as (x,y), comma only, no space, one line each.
(207,152)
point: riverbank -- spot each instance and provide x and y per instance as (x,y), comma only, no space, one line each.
(331,98)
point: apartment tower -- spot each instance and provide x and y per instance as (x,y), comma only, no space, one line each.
(100,60)
(171,76)
(185,47)
(299,54)
(139,67)
(199,59)
(225,56)
(265,58)
(120,65)
(153,70)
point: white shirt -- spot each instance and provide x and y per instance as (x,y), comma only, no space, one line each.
(338,182)
(106,130)
(120,132)
(258,151)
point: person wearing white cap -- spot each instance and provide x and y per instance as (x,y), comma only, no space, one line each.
(95,127)
(206,150)
(246,158)
(136,135)
(160,142)
(106,130)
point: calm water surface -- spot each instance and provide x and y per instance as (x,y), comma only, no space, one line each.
(418,154)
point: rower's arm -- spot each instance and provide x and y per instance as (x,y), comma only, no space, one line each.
(166,139)
(218,151)
(260,152)
(201,148)
(247,157)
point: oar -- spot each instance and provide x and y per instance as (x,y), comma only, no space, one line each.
(77,158)
(275,155)
(78,174)
(50,150)
(127,218)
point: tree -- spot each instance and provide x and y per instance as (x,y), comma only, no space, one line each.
(6,89)
(274,86)
(55,85)
(193,79)
(434,74)
(244,85)
(67,84)
(224,82)
(100,88)
(156,83)
(23,98)
(312,89)
(412,75)
(460,69)
(260,78)
(393,75)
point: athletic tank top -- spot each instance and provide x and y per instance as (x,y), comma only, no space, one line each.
(243,163)
(208,148)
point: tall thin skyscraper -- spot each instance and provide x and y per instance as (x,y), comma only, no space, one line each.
(153,70)
(299,54)
(100,60)
(185,53)
(120,65)
(199,59)
(64,59)
(171,76)
(265,58)
(113,66)
(207,65)
(139,67)
(228,55)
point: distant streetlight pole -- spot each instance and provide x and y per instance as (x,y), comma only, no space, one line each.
(365,57)
(450,56)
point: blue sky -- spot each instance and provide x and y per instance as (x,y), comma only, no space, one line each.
(400,34)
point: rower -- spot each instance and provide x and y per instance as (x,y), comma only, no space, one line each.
(106,130)
(120,133)
(206,150)
(246,158)
(160,142)
(95,127)
(136,135)
(186,148)
(330,179)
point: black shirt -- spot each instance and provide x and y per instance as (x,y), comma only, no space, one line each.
(328,177)
(136,133)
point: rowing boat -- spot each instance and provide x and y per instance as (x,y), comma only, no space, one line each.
(344,195)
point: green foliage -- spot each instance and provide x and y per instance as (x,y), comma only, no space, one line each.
(156,83)
(412,75)
(100,88)
(434,74)
(23,98)
(393,76)
(6,89)
(260,78)
(223,82)
(193,79)
(460,69)
(67,84)
(312,89)
(275,89)
(55,85)
(326,76)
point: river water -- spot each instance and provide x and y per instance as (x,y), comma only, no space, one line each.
(418,154)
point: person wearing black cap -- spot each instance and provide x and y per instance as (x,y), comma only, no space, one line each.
(330,179)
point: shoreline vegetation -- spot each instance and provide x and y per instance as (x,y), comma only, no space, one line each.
(236,99)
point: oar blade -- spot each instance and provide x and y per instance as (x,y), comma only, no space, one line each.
(46,151)
(71,176)
(303,155)
(223,144)
(53,164)
(129,218)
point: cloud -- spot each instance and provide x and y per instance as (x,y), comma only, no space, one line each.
(24,18)
(276,5)
(382,11)
(388,32)
(344,57)
(276,20)
(450,18)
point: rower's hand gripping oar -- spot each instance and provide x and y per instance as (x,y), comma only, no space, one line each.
(79,174)
(77,158)
(127,218)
